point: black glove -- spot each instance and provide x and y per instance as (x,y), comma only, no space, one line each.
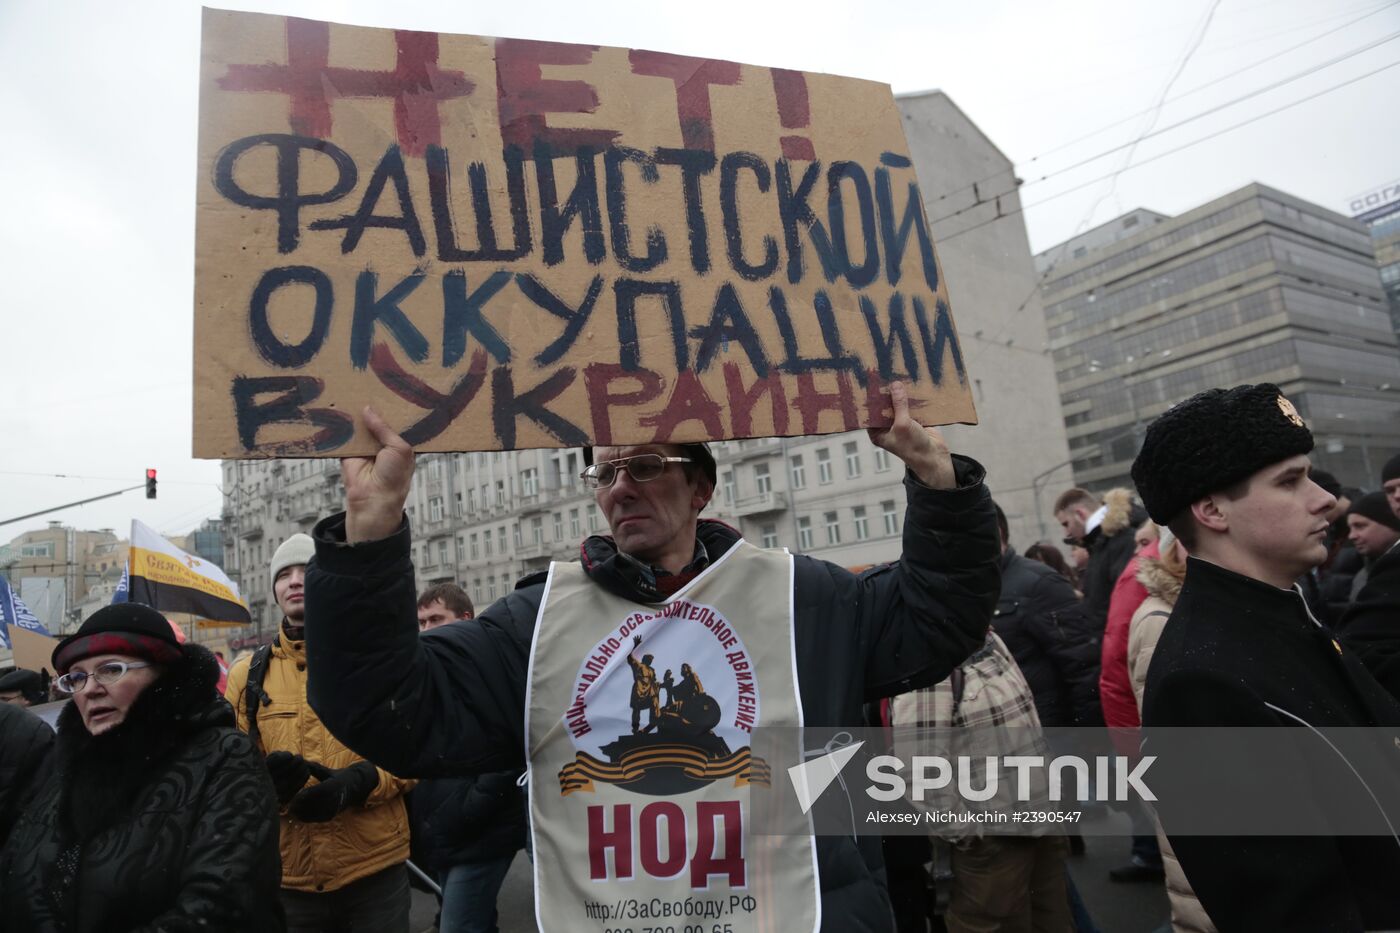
(338,790)
(289,774)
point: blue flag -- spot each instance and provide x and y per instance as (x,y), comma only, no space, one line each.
(13,611)
(123,593)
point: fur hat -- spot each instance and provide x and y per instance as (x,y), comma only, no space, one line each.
(296,550)
(1213,440)
(122,628)
(1376,507)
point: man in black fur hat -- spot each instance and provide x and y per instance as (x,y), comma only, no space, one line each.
(1228,472)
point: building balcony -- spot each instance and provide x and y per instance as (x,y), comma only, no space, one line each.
(251,533)
(532,550)
(754,447)
(760,504)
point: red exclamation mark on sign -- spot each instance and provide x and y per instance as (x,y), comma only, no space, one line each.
(790,87)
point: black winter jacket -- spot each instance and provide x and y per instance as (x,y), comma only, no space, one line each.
(1371,627)
(167,822)
(1043,623)
(25,743)
(1109,554)
(1241,653)
(468,819)
(455,704)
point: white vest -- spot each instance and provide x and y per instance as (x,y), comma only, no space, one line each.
(642,768)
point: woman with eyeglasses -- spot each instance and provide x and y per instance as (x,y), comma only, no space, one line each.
(159,814)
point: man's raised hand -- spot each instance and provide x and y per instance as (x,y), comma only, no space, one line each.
(376,488)
(922,449)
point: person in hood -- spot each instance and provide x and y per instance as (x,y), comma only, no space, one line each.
(457,703)
(1228,472)
(345,835)
(1105,529)
(159,814)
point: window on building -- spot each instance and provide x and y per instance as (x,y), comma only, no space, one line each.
(762,480)
(515,534)
(475,548)
(804,533)
(491,588)
(501,538)
(457,505)
(575,531)
(799,472)
(529,482)
(435,468)
(537,529)
(862,523)
(471,500)
(891,517)
(823,466)
(727,484)
(558,526)
(770,535)
(852,460)
(485,496)
(435,508)
(476,590)
(833,528)
(442,553)
(592,518)
(486,542)
(882,460)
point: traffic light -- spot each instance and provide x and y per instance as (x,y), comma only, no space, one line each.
(150,484)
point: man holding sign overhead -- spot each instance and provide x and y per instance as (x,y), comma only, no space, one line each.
(746,638)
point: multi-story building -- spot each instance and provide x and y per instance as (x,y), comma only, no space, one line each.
(1256,286)
(1379,210)
(485,519)
(58,567)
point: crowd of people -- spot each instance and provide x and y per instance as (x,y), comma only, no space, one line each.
(388,737)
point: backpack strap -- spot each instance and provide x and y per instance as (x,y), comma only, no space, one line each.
(253,694)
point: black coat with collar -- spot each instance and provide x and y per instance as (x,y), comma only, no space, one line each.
(453,701)
(171,814)
(1238,652)
(25,745)
(1044,625)
(1371,626)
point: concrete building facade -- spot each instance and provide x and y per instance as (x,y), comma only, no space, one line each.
(485,519)
(1256,286)
(1379,210)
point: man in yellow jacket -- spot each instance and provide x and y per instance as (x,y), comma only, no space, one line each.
(344,825)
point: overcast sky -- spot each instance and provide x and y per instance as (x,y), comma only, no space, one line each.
(98,167)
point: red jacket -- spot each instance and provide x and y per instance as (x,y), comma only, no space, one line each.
(1115,686)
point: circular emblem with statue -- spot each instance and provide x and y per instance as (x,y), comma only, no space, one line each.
(665,704)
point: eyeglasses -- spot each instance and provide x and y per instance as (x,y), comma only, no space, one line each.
(643,468)
(109,673)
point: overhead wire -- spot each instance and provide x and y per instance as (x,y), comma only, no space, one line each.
(1161,155)
(993,176)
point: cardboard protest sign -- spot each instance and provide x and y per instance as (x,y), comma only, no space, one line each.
(33,651)
(504,243)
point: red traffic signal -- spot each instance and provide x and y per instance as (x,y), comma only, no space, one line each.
(150,484)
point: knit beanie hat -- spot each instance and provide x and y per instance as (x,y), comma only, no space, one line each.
(1376,507)
(296,550)
(1212,441)
(124,628)
(1391,470)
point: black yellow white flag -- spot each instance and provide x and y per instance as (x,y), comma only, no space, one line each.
(170,580)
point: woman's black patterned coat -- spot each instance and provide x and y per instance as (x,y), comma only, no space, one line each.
(166,823)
